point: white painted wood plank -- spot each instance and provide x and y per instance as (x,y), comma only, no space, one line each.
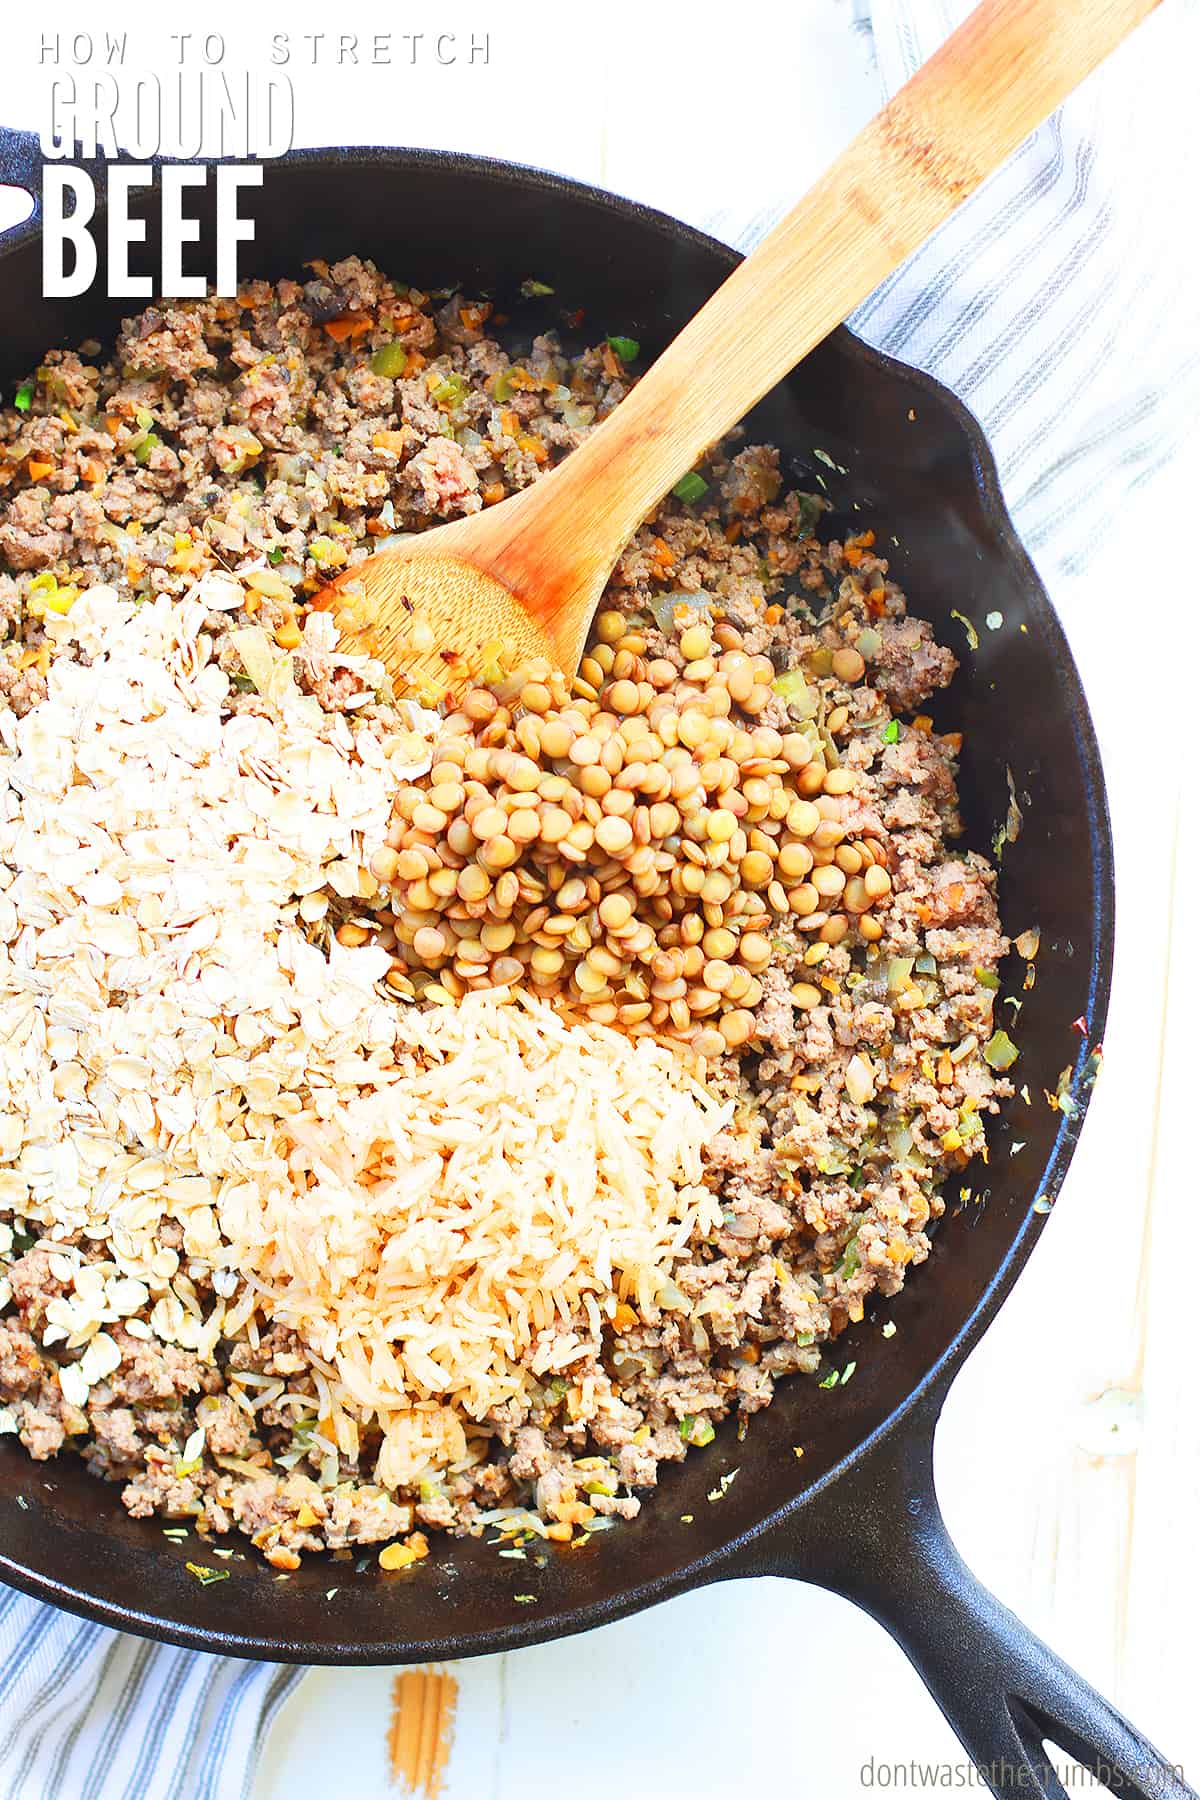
(1158,1654)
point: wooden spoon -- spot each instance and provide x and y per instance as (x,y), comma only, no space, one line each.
(532,569)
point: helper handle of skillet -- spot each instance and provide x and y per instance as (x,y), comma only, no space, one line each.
(876,1536)
(967,109)
(21,162)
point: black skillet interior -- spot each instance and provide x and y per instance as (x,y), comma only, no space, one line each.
(893,451)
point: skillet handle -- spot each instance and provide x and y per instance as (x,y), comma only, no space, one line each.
(21,163)
(1004,1692)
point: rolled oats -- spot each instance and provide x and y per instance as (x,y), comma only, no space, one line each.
(130,939)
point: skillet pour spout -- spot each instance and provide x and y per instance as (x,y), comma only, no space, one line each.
(858,1513)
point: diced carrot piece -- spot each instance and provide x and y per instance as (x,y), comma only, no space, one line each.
(350,325)
(493,492)
(390,440)
(396,1556)
(280,1557)
(38,471)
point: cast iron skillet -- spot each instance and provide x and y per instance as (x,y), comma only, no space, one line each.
(858,1514)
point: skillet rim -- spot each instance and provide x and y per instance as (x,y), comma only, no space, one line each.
(931,1387)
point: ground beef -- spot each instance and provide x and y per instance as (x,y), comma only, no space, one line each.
(443,480)
(910,665)
(268,432)
(41,1432)
(33,1286)
(152,1371)
(21,1365)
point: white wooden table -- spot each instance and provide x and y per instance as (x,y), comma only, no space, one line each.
(1095,1551)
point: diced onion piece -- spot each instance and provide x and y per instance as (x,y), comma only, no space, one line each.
(899,970)
(860,1080)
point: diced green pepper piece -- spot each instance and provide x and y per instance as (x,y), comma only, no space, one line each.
(625,347)
(1000,1052)
(449,391)
(696,1431)
(390,359)
(693,487)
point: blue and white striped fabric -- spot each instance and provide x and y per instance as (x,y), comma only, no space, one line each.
(1059,303)
(87,1713)
(1049,305)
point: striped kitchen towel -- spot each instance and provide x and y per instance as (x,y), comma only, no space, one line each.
(1059,305)
(87,1713)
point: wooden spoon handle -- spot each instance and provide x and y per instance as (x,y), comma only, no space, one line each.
(1000,74)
